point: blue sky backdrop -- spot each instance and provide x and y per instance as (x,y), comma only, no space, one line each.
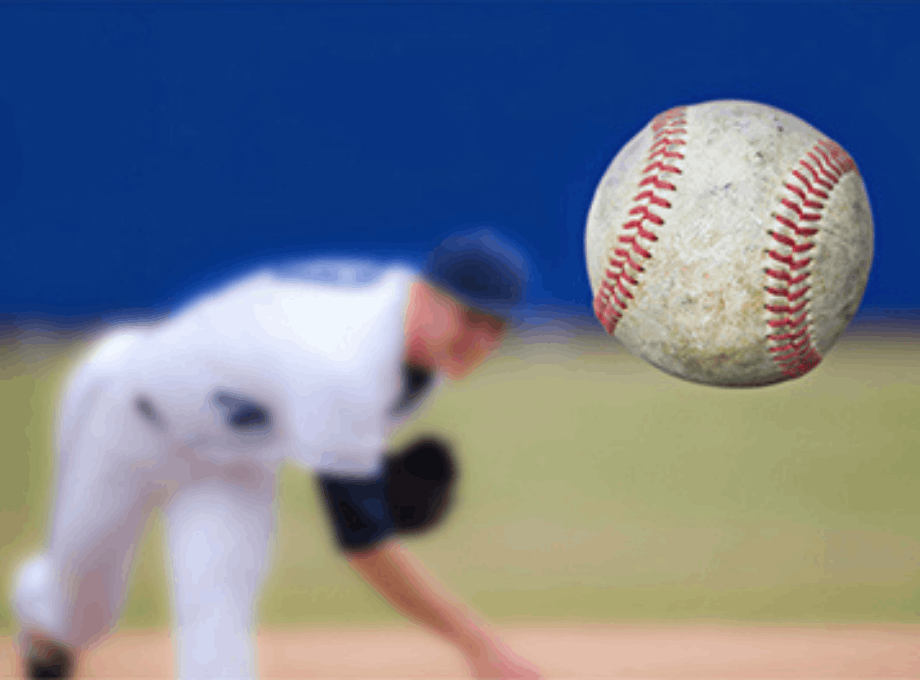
(145,149)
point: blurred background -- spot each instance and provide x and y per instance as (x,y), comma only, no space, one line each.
(147,151)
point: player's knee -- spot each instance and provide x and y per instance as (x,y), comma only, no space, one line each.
(42,604)
(34,595)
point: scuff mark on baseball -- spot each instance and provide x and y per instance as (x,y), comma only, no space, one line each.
(729,243)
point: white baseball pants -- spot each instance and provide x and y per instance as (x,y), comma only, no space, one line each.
(113,469)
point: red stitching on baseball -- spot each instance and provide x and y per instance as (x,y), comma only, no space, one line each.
(658,165)
(787,277)
(666,153)
(646,215)
(815,177)
(805,200)
(795,207)
(789,261)
(832,162)
(658,184)
(794,346)
(610,301)
(786,336)
(784,292)
(669,141)
(632,263)
(794,350)
(643,232)
(820,164)
(775,323)
(839,155)
(629,279)
(637,249)
(824,163)
(804,180)
(787,309)
(785,240)
(653,199)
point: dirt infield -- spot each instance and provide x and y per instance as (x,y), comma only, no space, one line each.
(601,651)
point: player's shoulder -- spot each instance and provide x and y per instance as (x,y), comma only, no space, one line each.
(110,354)
(304,307)
(298,277)
(323,294)
(115,347)
(344,277)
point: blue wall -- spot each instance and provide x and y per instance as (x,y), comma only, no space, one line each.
(144,147)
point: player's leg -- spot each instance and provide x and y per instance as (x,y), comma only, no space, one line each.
(219,537)
(72,591)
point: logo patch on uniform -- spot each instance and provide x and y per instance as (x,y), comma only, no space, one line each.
(243,414)
(143,406)
(333,272)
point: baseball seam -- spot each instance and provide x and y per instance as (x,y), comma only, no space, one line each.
(625,259)
(795,224)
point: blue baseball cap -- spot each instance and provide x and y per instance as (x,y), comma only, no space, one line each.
(482,269)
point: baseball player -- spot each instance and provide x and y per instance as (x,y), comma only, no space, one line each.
(316,363)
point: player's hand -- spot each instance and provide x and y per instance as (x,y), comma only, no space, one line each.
(497,661)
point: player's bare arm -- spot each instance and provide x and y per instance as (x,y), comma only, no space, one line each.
(411,589)
(416,488)
(449,333)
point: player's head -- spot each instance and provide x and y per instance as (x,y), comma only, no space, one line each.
(473,280)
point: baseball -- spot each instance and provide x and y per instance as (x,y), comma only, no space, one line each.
(729,243)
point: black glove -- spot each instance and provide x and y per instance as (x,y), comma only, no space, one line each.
(419,484)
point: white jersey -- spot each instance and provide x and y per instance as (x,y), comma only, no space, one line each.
(275,367)
(194,416)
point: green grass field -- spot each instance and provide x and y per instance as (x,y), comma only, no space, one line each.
(596,488)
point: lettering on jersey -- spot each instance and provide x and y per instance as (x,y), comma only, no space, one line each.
(333,272)
(243,414)
(417,382)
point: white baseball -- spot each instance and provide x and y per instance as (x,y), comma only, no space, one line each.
(729,243)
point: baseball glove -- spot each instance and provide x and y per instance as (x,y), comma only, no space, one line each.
(420,483)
